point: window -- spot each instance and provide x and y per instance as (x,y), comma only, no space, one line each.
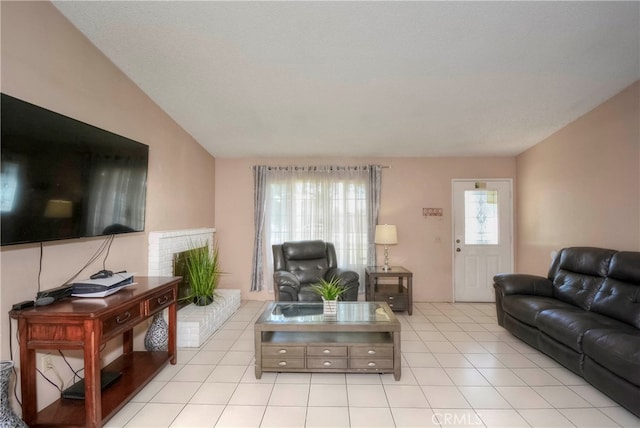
(320,206)
(481,217)
(333,203)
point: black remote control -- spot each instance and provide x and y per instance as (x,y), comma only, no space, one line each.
(22,305)
(102,274)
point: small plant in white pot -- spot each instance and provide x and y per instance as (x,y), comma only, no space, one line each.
(330,291)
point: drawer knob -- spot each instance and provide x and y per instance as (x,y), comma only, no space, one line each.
(391,297)
(327,364)
(162,300)
(391,305)
(121,319)
(371,352)
(283,351)
(371,364)
(326,351)
(282,363)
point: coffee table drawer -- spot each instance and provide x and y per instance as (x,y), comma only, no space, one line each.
(283,363)
(335,351)
(372,363)
(372,351)
(326,363)
(282,351)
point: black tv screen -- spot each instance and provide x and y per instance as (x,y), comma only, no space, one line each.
(61,178)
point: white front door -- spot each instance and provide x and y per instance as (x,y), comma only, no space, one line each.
(482,237)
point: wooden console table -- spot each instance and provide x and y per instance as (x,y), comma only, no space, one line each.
(86,324)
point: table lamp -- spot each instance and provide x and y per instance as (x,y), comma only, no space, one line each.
(386,234)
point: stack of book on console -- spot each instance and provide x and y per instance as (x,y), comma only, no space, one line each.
(102,287)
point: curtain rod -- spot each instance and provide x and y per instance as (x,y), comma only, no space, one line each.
(346,166)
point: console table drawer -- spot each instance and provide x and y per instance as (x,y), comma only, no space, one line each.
(282,363)
(282,351)
(122,320)
(326,363)
(335,351)
(161,301)
(372,363)
(372,351)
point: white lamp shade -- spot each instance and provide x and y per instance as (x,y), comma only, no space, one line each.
(386,234)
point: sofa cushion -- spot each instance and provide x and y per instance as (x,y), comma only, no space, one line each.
(308,271)
(586,260)
(619,296)
(619,300)
(575,288)
(617,351)
(525,308)
(307,260)
(304,250)
(569,325)
(625,266)
(581,272)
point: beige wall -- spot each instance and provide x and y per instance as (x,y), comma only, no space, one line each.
(48,62)
(408,186)
(578,187)
(581,186)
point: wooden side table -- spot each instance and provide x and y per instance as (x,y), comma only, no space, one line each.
(398,294)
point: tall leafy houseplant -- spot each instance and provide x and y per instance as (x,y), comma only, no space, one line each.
(203,272)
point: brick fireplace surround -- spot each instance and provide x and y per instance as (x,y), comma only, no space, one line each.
(195,323)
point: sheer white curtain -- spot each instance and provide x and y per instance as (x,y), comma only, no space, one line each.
(331,203)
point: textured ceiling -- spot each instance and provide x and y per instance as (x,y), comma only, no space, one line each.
(369,78)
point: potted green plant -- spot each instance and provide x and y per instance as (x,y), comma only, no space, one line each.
(203,273)
(330,290)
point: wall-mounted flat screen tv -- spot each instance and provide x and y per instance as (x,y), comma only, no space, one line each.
(61,178)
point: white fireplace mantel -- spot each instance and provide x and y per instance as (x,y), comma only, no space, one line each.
(164,244)
(195,323)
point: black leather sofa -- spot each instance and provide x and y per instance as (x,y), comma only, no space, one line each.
(585,315)
(298,265)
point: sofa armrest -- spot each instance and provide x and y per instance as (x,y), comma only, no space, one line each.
(519,283)
(346,277)
(286,286)
(505,284)
(349,280)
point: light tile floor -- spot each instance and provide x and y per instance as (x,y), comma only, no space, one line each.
(459,369)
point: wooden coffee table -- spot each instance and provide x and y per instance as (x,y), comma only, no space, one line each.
(364,337)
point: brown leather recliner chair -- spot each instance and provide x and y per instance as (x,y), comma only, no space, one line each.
(298,265)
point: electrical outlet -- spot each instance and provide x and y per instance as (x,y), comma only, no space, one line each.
(47,363)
